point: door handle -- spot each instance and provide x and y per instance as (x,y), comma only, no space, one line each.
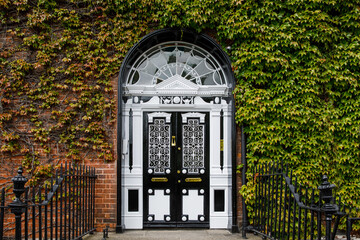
(173,141)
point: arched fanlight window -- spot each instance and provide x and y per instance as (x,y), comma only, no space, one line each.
(185,63)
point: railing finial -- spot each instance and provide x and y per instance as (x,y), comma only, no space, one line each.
(17,206)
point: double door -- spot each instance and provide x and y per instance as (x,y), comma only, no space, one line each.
(176,169)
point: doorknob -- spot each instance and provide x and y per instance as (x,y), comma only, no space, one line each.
(179,148)
(173,142)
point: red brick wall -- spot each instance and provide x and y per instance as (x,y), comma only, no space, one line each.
(105,195)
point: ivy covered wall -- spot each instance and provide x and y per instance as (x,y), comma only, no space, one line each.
(297,63)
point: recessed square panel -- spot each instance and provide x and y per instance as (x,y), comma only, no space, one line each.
(219,200)
(159,205)
(193,204)
(133,200)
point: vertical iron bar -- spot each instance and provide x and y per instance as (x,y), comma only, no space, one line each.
(319,221)
(77,201)
(259,198)
(26,214)
(305,214)
(289,208)
(280,204)
(348,227)
(56,206)
(65,201)
(265,188)
(276,201)
(73,200)
(268,188)
(17,226)
(312,216)
(40,214)
(256,196)
(61,202)
(52,209)
(328,219)
(265,198)
(87,200)
(299,214)
(337,221)
(294,210)
(2,212)
(45,212)
(82,200)
(262,197)
(285,201)
(69,196)
(93,199)
(272,199)
(90,198)
(33,209)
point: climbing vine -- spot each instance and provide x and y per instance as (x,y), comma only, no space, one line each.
(297,65)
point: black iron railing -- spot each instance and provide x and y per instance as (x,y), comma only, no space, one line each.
(284,209)
(63,208)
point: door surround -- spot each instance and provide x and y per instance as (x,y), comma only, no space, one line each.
(187,96)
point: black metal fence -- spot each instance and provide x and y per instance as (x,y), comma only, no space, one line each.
(61,209)
(284,209)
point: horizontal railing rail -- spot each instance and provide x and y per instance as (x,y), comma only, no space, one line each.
(62,208)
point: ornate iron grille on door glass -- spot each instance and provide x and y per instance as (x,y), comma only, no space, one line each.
(159,146)
(193,146)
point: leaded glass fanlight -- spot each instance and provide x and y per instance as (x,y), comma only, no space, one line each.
(172,67)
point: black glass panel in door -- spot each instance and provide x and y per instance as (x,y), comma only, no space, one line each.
(176,173)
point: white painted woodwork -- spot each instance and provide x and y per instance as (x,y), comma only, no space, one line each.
(174,93)
(159,205)
(193,204)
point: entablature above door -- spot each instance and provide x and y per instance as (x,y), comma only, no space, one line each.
(177,101)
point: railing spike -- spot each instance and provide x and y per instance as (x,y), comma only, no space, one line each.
(51,183)
(57,177)
(312,196)
(66,166)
